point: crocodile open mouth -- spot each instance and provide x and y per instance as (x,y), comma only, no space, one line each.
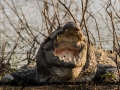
(69,45)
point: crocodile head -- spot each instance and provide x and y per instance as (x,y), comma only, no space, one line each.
(64,51)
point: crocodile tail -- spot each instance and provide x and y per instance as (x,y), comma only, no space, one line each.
(23,77)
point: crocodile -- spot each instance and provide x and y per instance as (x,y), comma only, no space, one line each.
(66,57)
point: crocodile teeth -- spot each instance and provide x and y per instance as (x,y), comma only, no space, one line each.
(57,37)
(75,62)
(74,59)
(60,58)
(70,59)
(63,58)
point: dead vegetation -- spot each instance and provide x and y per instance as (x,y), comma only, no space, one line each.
(20,40)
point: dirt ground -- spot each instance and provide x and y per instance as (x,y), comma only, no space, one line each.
(61,87)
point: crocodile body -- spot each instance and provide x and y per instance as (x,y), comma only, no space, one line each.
(65,57)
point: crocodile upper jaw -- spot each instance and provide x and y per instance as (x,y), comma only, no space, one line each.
(66,47)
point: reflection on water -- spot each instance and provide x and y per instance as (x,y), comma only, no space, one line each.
(63,87)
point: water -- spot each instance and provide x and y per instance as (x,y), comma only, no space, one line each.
(33,16)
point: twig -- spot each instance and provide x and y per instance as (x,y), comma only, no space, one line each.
(68,11)
(48,20)
(85,22)
(56,13)
(110,15)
